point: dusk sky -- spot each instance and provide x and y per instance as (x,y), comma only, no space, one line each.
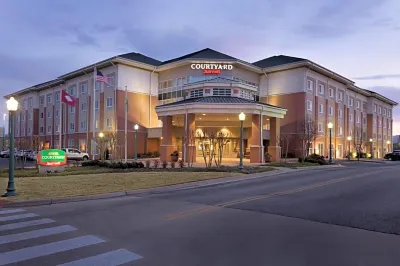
(359,39)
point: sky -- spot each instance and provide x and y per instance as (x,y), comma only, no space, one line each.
(44,39)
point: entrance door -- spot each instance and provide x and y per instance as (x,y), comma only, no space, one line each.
(339,153)
(320,150)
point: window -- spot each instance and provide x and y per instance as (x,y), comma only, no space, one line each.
(30,116)
(83,88)
(57,96)
(41,129)
(331,92)
(384,123)
(196,93)
(25,104)
(389,113)
(358,119)
(109,102)
(71,143)
(340,131)
(110,81)
(380,110)
(41,100)
(330,110)
(379,136)
(374,108)
(379,123)
(96,105)
(41,115)
(18,117)
(97,123)
(221,92)
(29,131)
(58,128)
(364,121)
(320,149)
(108,122)
(350,101)
(72,109)
(350,117)
(83,125)
(310,85)
(358,104)
(49,98)
(23,117)
(72,126)
(389,125)
(321,89)
(340,96)
(49,129)
(17,131)
(384,111)
(57,113)
(340,113)
(320,128)
(72,91)
(98,86)
(83,107)
(309,105)
(321,108)
(48,115)
(351,132)
(30,102)
(374,121)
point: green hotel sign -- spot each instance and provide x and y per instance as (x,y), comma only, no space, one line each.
(52,158)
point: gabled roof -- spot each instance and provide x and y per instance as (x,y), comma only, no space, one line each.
(218,99)
(203,54)
(277,60)
(141,58)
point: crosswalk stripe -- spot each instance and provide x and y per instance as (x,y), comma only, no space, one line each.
(25,224)
(11,211)
(112,258)
(47,249)
(16,217)
(36,234)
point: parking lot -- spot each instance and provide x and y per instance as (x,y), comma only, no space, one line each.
(18,163)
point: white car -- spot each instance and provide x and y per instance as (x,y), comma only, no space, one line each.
(75,154)
(5,154)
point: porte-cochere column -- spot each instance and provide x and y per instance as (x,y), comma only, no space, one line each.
(256,147)
(274,149)
(166,144)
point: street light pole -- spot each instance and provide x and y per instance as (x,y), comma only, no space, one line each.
(242,117)
(370,141)
(12,106)
(349,154)
(330,126)
(4,131)
(136,127)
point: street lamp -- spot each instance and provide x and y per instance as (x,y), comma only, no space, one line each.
(349,139)
(12,107)
(242,117)
(136,127)
(330,126)
(370,141)
(388,143)
(101,135)
(4,130)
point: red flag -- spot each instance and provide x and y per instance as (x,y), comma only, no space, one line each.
(68,99)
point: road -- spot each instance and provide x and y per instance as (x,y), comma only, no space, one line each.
(339,216)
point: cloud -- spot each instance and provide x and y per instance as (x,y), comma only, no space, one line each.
(105,28)
(375,77)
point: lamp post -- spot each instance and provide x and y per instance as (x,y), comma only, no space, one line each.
(242,117)
(370,141)
(136,127)
(330,126)
(349,139)
(101,136)
(388,143)
(12,107)
(4,131)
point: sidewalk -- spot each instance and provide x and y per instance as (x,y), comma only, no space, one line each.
(161,189)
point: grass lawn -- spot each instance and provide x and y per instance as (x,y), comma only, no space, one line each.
(46,187)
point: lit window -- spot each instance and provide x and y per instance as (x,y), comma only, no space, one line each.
(221,92)
(196,93)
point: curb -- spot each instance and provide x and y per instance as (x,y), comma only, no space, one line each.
(176,187)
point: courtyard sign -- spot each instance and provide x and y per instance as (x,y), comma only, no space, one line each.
(212,68)
(52,158)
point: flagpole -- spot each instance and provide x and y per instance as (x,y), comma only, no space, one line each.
(94,107)
(126,123)
(60,126)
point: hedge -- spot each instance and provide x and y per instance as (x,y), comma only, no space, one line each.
(115,165)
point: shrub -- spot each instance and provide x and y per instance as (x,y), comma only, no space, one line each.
(315,158)
(149,154)
(175,153)
(130,165)
(321,162)
(301,160)
(156,163)
(156,154)
(148,163)
(164,164)
(114,165)
(139,165)
(181,163)
(172,164)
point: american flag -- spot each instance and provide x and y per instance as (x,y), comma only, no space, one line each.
(100,77)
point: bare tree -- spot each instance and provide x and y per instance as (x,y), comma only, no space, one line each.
(189,140)
(222,139)
(284,140)
(306,135)
(207,143)
(360,141)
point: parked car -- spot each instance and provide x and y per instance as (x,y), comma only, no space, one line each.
(75,154)
(393,156)
(32,156)
(5,154)
(23,153)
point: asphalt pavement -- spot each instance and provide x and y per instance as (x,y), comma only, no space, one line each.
(4,163)
(339,216)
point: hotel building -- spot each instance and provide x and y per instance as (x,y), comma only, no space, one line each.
(204,92)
